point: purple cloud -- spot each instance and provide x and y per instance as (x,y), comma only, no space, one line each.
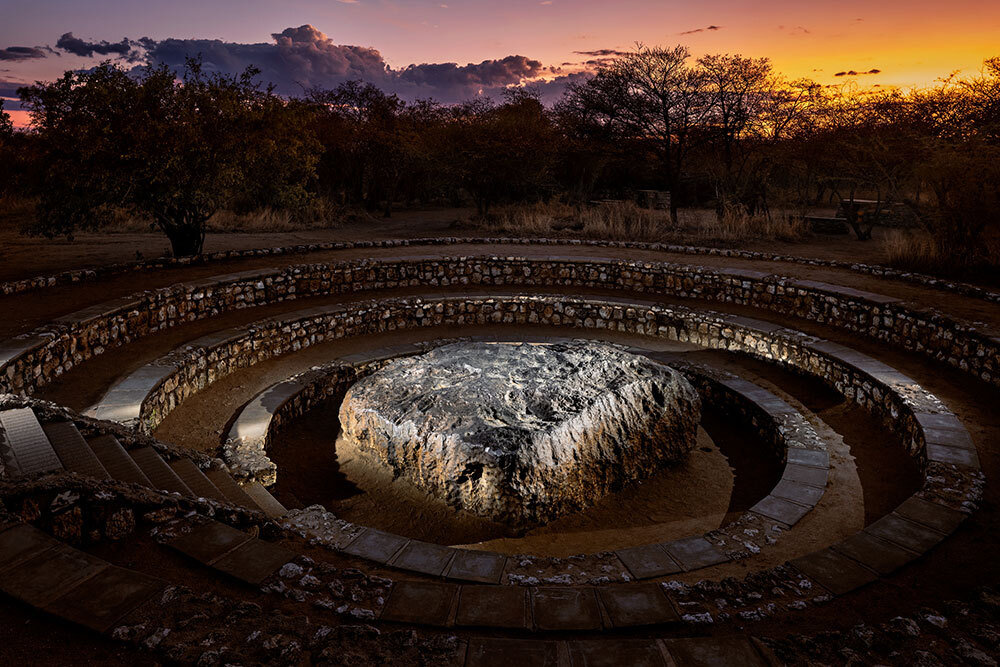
(79,47)
(710,28)
(19,53)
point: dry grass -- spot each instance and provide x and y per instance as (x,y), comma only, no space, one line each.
(320,214)
(737,225)
(618,221)
(625,221)
(16,212)
(914,250)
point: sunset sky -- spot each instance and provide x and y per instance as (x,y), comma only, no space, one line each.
(453,49)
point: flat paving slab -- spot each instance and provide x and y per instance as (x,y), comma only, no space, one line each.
(254,561)
(159,473)
(805,475)
(800,493)
(73,450)
(637,604)
(424,557)
(375,545)
(195,479)
(781,510)
(116,460)
(835,572)
(938,517)
(569,608)
(714,652)
(493,606)
(209,542)
(877,554)
(615,652)
(22,542)
(27,441)
(49,575)
(263,499)
(101,600)
(495,652)
(966,458)
(648,561)
(908,534)
(420,602)
(694,553)
(483,567)
(234,493)
(809,457)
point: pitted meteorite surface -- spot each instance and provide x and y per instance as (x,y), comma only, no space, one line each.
(522,433)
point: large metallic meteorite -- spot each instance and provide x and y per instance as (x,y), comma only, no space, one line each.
(522,433)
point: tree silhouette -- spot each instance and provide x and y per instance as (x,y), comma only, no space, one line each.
(172,150)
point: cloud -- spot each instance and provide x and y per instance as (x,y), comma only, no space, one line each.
(68,42)
(856,73)
(302,58)
(19,53)
(298,59)
(451,82)
(602,52)
(710,28)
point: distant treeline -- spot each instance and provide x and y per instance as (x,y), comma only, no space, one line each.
(722,130)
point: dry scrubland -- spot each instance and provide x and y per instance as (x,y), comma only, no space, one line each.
(909,249)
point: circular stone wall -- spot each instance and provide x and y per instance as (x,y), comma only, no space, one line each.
(522,433)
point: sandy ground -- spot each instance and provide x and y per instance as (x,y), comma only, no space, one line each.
(688,499)
(26,256)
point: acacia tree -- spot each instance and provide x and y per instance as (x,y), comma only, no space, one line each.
(654,95)
(738,92)
(6,125)
(499,151)
(172,150)
(6,140)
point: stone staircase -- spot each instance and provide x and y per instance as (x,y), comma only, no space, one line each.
(29,448)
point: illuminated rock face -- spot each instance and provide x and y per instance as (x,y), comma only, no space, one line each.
(522,433)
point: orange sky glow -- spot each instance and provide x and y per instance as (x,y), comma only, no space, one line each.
(910,42)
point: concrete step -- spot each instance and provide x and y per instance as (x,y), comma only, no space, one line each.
(30,450)
(233,491)
(159,473)
(196,480)
(263,498)
(73,451)
(116,460)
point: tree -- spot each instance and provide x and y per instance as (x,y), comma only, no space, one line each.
(171,150)
(653,94)
(500,151)
(6,152)
(6,126)
(738,93)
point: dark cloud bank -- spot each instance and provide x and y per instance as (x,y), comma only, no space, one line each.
(302,58)
(18,53)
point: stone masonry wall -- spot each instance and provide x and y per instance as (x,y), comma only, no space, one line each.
(796,351)
(29,362)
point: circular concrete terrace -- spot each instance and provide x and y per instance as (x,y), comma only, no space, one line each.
(866,414)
